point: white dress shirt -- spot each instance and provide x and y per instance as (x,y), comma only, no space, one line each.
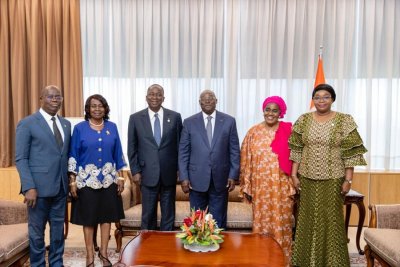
(48,117)
(153,118)
(205,116)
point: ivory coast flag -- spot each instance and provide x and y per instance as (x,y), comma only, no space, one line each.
(319,77)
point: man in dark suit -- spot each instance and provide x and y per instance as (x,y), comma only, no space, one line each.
(209,158)
(153,141)
(41,155)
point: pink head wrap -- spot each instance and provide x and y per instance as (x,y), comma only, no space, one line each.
(277,100)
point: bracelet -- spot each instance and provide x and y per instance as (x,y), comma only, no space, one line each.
(348,181)
(121,178)
(73,183)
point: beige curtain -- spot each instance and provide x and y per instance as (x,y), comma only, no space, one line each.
(40,44)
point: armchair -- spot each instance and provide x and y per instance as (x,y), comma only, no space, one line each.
(383,236)
(14,241)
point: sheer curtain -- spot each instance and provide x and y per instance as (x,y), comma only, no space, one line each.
(246,50)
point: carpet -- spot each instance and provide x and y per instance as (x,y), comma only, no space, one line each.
(75,257)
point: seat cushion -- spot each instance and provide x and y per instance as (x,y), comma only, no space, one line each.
(239,215)
(133,215)
(13,239)
(385,243)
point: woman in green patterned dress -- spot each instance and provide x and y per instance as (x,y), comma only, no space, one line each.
(325,147)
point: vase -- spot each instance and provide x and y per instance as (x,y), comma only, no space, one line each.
(201,248)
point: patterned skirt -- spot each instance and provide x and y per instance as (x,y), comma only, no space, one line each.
(320,238)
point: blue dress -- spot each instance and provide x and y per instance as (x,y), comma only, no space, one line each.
(95,157)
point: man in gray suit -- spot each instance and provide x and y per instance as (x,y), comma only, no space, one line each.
(153,140)
(42,143)
(209,158)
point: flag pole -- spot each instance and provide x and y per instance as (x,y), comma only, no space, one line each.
(319,76)
(320,51)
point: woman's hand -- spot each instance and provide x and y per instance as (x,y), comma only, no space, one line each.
(346,186)
(73,189)
(248,198)
(296,182)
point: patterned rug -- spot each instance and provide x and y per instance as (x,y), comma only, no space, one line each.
(75,257)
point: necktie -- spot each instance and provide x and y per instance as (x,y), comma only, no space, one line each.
(157,129)
(57,133)
(209,129)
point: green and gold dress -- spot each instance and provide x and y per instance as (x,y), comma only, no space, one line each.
(324,151)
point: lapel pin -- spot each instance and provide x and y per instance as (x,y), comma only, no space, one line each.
(168,120)
(107,132)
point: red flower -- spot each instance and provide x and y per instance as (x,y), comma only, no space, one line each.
(187,221)
(198,214)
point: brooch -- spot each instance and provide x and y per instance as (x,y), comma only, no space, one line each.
(107,132)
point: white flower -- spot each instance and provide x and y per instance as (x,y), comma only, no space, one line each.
(208,217)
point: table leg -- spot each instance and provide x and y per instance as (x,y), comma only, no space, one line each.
(361,210)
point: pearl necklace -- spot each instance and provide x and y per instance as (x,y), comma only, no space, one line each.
(94,124)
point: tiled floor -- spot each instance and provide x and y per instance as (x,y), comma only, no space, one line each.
(75,238)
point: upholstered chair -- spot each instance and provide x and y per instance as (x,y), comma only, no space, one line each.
(383,235)
(14,241)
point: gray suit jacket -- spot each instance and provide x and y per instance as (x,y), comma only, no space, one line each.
(199,162)
(153,162)
(40,162)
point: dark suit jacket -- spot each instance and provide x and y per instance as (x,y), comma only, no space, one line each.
(40,162)
(198,161)
(145,156)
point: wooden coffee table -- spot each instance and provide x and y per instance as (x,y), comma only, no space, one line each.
(153,248)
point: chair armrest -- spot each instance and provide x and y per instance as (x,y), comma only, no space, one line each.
(372,219)
(12,212)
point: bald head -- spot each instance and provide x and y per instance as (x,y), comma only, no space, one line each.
(51,99)
(155,97)
(208,101)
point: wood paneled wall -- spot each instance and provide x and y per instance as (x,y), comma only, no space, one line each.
(377,188)
(10,184)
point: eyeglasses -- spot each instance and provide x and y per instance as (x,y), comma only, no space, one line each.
(56,97)
(274,111)
(323,98)
(96,106)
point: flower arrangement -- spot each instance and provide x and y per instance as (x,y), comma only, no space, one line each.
(201,229)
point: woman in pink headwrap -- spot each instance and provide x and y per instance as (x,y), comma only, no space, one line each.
(265,174)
